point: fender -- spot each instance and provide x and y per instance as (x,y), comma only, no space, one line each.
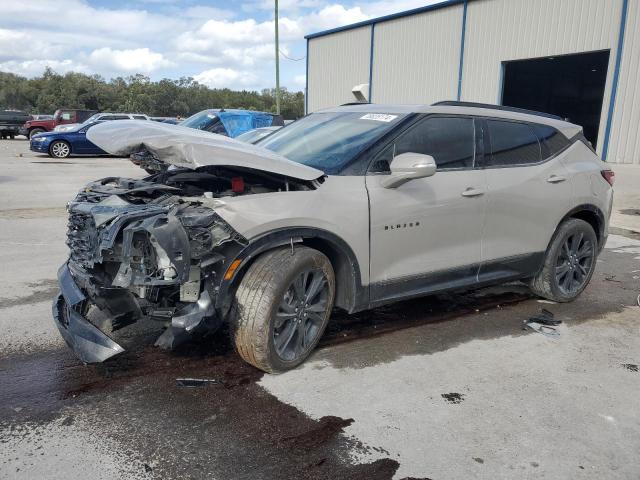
(588,207)
(354,296)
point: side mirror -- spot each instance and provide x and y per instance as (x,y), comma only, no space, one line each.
(408,166)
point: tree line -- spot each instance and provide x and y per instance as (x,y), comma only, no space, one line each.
(135,94)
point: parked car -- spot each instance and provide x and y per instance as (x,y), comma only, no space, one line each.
(11,121)
(231,123)
(257,134)
(60,117)
(103,116)
(172,120)
(63,144)
(351,207)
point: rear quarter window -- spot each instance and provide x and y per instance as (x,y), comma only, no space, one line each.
(551,140)
(512,144)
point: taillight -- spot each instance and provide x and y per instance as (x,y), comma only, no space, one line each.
(237,184)
(609,176)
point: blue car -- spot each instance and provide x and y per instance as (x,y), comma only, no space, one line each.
(63,144)
(231,122)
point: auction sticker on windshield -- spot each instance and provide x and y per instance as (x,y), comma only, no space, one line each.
(379,117)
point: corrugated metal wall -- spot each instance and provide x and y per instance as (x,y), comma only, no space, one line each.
(412,57)
(503,30)
(624,142)
(337,63)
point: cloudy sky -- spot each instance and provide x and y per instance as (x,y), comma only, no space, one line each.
(220,43)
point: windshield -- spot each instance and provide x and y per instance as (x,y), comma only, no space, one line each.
(253,136)
(329,141)
(199,120)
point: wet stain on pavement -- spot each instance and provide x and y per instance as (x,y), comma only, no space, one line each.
(41,291)
(134,399)
(454,398)
(16,213)
(630,211)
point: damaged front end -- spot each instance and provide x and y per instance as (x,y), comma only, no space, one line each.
(142,249)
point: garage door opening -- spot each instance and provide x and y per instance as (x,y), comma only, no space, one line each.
(571,86)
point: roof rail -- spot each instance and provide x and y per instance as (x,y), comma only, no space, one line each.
(355,103)
(453,103)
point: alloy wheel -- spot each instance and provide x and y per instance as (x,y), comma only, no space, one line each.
(60,150)
(574,263)
(300,315)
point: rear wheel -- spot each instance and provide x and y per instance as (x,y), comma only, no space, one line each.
(282,307)
(60,149)
(569,262)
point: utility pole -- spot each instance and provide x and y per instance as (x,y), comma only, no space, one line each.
(277,65)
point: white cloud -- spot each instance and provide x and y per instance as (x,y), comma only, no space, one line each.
(139,60)
(32,68)
(167,38)
(227,77)
(202,13)
(79,16)
(20,45)
(387,7)
(300,81)
(332,16)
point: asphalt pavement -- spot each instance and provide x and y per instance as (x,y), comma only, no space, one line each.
(445,387)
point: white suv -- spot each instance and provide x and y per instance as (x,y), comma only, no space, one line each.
(104,116)
(351,207)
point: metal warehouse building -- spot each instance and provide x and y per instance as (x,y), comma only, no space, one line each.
(579,59)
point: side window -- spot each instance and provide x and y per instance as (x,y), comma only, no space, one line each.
(449,140)
(551,140)
(512,144)
(217,127)
(139,117)
(119,117)
(66,115)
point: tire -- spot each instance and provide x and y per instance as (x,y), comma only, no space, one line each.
(60,149)
(35,131)
(569,262)
(272,326)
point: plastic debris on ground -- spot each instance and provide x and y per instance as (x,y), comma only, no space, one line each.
(544,323)
(196,382)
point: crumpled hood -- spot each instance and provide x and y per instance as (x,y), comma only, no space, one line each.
(190,148)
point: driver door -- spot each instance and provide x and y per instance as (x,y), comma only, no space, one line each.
(425,235)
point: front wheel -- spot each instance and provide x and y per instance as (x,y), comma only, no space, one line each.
(569,262)
(60,149)
(282,307)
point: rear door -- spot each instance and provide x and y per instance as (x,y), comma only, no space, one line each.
(426,234)
(528,194)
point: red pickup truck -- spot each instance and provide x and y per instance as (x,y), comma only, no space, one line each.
(62,116)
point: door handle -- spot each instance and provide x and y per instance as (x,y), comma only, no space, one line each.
(556,179)
(472,192)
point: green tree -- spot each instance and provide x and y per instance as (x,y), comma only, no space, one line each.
(136,93)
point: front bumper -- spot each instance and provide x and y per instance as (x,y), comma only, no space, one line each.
(41,147)
(88,342)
